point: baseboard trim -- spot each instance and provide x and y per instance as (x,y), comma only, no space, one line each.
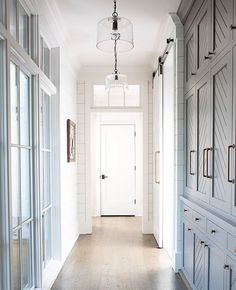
(181,273)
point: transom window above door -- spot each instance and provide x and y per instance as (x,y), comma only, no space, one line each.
(116,97)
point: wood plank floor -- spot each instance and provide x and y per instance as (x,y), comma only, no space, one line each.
(117,257)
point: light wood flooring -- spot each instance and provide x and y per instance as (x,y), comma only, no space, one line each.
(117,257)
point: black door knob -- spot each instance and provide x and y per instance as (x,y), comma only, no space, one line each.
(103,176)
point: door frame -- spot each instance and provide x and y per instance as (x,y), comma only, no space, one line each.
(135,160)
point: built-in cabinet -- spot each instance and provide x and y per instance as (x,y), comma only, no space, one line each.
(209,202)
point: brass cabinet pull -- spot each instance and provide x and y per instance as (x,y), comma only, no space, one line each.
(230,147)
(190,162)
(207,151)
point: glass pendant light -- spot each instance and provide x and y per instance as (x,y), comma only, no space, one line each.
(116,79)
(115,28)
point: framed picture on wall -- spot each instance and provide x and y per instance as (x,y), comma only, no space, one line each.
(71,141)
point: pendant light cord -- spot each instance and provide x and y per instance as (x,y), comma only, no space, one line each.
(115,14)
(115,55)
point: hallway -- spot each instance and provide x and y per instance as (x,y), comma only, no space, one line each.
(117,256)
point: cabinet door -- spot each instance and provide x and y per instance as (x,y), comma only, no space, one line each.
(216,268)
(188,247)
(203,34)
(190,58)
(230,274)
(223,124)
(191,142)
(199,263)
(232,155)
(222,20)
(204,138)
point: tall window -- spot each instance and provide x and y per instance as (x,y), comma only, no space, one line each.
(21,180)
(20,24)
(2,11)
(45,57)
(46,190)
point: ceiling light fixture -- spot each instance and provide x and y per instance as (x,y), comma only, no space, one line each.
(115,28)
(116,80)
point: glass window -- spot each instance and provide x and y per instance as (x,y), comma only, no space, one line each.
(45,54)
(13,17)
(2,11)
(16,275)
(47,237)
(15,184)
(20,24)
(14,106)
(25,184)
(21,176)
(45,121)
(23,27)
(24,110)
(26,253)
(46,179)
(116,97)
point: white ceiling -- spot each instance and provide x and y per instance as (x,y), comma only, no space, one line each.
(81,18)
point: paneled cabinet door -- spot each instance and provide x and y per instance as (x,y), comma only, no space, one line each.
(188,248)
(222,21)
(190,58)
(230,274)
(216,268)
(221,79)
(204,138)
(200,277)
(191,152)
(231,147)
(203,35)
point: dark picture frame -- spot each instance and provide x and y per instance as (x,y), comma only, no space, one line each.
(71,141)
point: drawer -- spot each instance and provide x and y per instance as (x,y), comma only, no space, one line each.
(199,220)
(217,233)
(187,212)
(231,244)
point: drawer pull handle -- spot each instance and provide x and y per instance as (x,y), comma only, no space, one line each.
(207,57)
(193,74)
(206,246)
(211,53)
(185,210)
(230,147)
(213,232)
(207,151)
(189,229)
(233,27)
(226,267)
(204,162)
(202,242)
(197,219)
(190,162)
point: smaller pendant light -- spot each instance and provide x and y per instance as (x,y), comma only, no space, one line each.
(115,28)
(116,79)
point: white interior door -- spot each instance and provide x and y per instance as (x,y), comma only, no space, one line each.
(168,153)
(117,170)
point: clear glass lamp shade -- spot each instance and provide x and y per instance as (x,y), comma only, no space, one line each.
(106,35)
(116,81)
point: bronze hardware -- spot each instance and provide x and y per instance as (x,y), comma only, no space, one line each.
(211,53)
(185,210)
(232,26)
(207,57)
(213,232)
(202,242)
(197,219)
(193,74)
(206,246)
(207,151)
(190,161)
(189,229)
(231,180)
(226,267)
(203,165)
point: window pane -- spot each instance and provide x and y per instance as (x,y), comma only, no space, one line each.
(23,28)
(46,181)
(46,121)
(14,106)
(2,11)
(25,184)
(13,18)
(47,229)
(100,96)
(116,97)
(15,185)
(24,109)
(46,61)
(132,96)
(26,248)
(16,281)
